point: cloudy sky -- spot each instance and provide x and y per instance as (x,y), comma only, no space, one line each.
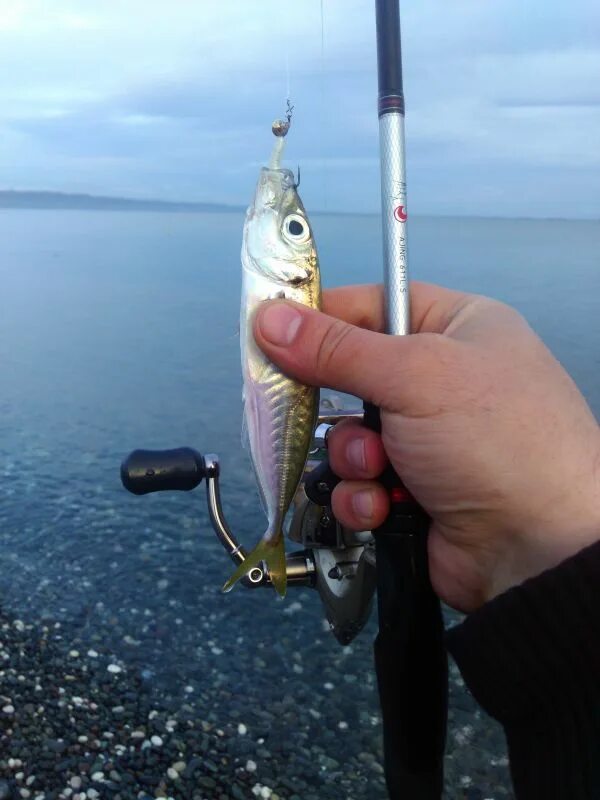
(147,98)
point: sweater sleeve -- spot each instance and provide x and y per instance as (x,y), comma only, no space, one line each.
(531,658)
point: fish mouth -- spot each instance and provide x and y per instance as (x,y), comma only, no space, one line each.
(272,187)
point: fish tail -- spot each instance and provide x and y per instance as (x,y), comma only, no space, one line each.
(271,550)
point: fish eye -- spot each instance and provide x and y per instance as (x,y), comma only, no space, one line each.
(296,229)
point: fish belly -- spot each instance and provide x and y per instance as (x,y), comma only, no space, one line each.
(280,419)
(279,414)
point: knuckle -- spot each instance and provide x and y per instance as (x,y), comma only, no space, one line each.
(427,376)
(332,347)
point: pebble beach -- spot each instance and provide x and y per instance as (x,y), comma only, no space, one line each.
(76,722)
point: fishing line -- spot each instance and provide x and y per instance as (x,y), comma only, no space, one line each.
(281,126)
(323,99)
(322,30)
(287,77)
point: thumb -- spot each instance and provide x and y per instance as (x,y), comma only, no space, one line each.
(324,351)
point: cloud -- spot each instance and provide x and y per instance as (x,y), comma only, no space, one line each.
(176,100)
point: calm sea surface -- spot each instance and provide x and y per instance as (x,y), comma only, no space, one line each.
(119,330)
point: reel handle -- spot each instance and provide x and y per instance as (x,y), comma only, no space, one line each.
(146,471)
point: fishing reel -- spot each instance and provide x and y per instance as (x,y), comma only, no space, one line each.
(337,562)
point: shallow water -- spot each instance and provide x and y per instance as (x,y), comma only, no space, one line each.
(119,330)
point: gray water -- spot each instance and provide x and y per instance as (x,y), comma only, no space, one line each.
(119,330)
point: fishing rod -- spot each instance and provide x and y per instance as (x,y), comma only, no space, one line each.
(410,658)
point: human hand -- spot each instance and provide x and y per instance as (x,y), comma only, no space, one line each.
(483,425)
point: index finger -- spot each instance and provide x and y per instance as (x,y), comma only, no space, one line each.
(432,307)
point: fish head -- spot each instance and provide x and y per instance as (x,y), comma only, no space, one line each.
(278,241)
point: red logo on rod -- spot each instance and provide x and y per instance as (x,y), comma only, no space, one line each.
(400,214)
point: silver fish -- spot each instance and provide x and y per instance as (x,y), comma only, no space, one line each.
(279,259)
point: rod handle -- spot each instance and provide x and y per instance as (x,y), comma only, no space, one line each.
(410,658)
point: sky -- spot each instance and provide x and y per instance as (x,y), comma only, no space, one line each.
(149,99)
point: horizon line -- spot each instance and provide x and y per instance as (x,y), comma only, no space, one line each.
(191,206)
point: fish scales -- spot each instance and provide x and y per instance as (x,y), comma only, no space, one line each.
(289,414)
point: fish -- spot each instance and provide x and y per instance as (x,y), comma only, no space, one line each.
(279,260)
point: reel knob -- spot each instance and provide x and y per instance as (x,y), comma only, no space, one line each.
(145,471)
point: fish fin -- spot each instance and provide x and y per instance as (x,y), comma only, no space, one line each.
(245,433)
(273,554)
(245,436)
(250,407)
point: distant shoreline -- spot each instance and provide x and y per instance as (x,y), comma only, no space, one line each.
(66,201)
(41,200)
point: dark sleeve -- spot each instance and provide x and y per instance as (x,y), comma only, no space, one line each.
(531,658)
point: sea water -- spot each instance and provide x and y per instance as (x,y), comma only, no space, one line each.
(120,330)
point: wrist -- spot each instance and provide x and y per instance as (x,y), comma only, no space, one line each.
(568,523)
